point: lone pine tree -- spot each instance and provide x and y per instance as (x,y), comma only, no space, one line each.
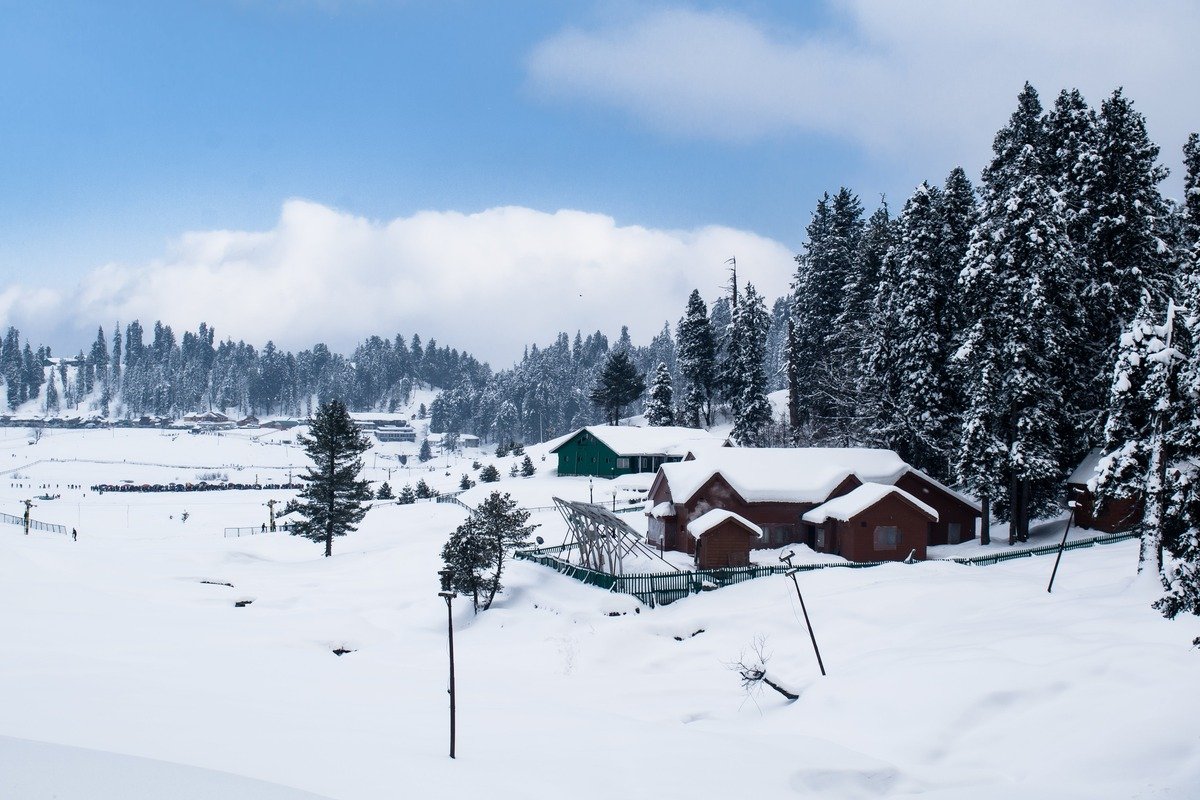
(332,500)
(476,551)
(618,385)
(660,410)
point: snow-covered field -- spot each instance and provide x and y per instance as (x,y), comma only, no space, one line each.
(127,671)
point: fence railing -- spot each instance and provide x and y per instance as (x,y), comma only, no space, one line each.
(237,533)
(653,588)
(34,525)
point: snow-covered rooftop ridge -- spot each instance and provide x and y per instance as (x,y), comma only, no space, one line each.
(626,440)
(1087,468)
(850,505)
(783,474)
(661,510)
(972,502)
(711,519)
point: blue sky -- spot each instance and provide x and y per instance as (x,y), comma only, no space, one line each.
(151,144)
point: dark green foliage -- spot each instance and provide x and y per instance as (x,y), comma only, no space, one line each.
(332,502)
(425,453)
(527,468)
(466,482)
(503,448)
(618,385)
(518,449)
(747,382)
(423,490)
(476,551)
(489,474)
(407,496)
(696,347)
(384,492)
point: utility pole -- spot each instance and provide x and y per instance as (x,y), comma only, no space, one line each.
(1061,546)
(448,593)
(28,505)
(792,570)
(271,514)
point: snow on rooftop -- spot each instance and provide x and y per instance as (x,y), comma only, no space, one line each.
(783,474)
(972,502)
(711,519)
(662,510)
(850,505)
(1087,468)
(626,440)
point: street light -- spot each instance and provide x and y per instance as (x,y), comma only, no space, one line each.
(448,593)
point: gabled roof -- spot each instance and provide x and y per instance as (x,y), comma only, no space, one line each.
(848,506)
(711,519)
(782,474)
(1087,468)
(626,440)
(957,495)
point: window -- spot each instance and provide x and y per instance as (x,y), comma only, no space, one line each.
(954,532)
(622,463)
(887,537)
(821,537)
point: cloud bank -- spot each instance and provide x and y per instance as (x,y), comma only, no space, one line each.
(934,76)
(489,282)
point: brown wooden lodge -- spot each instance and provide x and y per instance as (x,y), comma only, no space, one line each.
(862,504)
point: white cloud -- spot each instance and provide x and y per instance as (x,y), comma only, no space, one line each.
(935,76)
(488,283)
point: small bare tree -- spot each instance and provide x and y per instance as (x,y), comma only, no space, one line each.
(753,670)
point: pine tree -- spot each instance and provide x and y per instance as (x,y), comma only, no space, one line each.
(385,492)
(618,385)
(660,410)
(489,474)
(475,553)
(1073,160)
(697,362)
(332,500)
(423,490)
(465,482)
(425,453)
(51,394)
(527,468)
(407,496)
(747,354)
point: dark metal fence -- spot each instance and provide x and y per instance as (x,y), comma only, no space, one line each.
(236,533)
(34,525)
(653,588)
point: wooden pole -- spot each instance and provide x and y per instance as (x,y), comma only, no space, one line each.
(1061,546)
(450,637)
(792,570)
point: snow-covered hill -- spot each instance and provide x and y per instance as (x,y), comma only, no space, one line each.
(944,681)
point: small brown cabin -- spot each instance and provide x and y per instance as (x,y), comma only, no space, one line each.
(723,539)
(875,522)
(1114,515)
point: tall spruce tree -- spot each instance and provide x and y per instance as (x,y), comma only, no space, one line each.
(696,348)
(475,553)
(618,385)
(660,408)
(332,501)
(747,357)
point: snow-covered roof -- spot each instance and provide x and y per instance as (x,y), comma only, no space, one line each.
(626,440)
(662,510)
(783,474)
(850,505)
(1087,468)
(711,519)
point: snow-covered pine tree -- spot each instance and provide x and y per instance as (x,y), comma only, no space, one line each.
(51,394)
(1191,190)
(1072,160)
(660,408)
(1019,281)
(696,352)
(919,423)
(426,452)
(747,353)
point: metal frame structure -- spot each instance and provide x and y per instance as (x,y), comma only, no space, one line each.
(602,538)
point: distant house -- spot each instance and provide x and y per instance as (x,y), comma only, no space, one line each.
(610,450)
(1115,515)
(396,433)
(250,421)
(207,418)
(723,539)
(863,504)
(468,440)
(280,424)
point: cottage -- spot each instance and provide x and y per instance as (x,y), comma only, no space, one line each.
(723,539)
(1114,515)
(874,522)
(610,450)
(396,433)
(774,488)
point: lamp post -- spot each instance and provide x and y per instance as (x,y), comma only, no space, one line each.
(449,595)
(590,498)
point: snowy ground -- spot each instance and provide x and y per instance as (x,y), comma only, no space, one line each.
(124,674)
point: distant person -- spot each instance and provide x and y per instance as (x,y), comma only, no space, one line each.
(264,528)
(74,535)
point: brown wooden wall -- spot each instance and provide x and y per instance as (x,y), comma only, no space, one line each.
(726,545)
(950,509)
(1117,515)
(855,540)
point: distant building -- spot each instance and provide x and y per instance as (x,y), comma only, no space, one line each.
(396,433)
(607,451)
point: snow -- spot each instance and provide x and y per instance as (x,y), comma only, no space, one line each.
(123,674)
(1087,468)
(711,519)
(850,505)
(663,510)
(626,440)
(783,475)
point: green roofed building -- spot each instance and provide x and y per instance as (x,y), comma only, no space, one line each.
(607,451)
